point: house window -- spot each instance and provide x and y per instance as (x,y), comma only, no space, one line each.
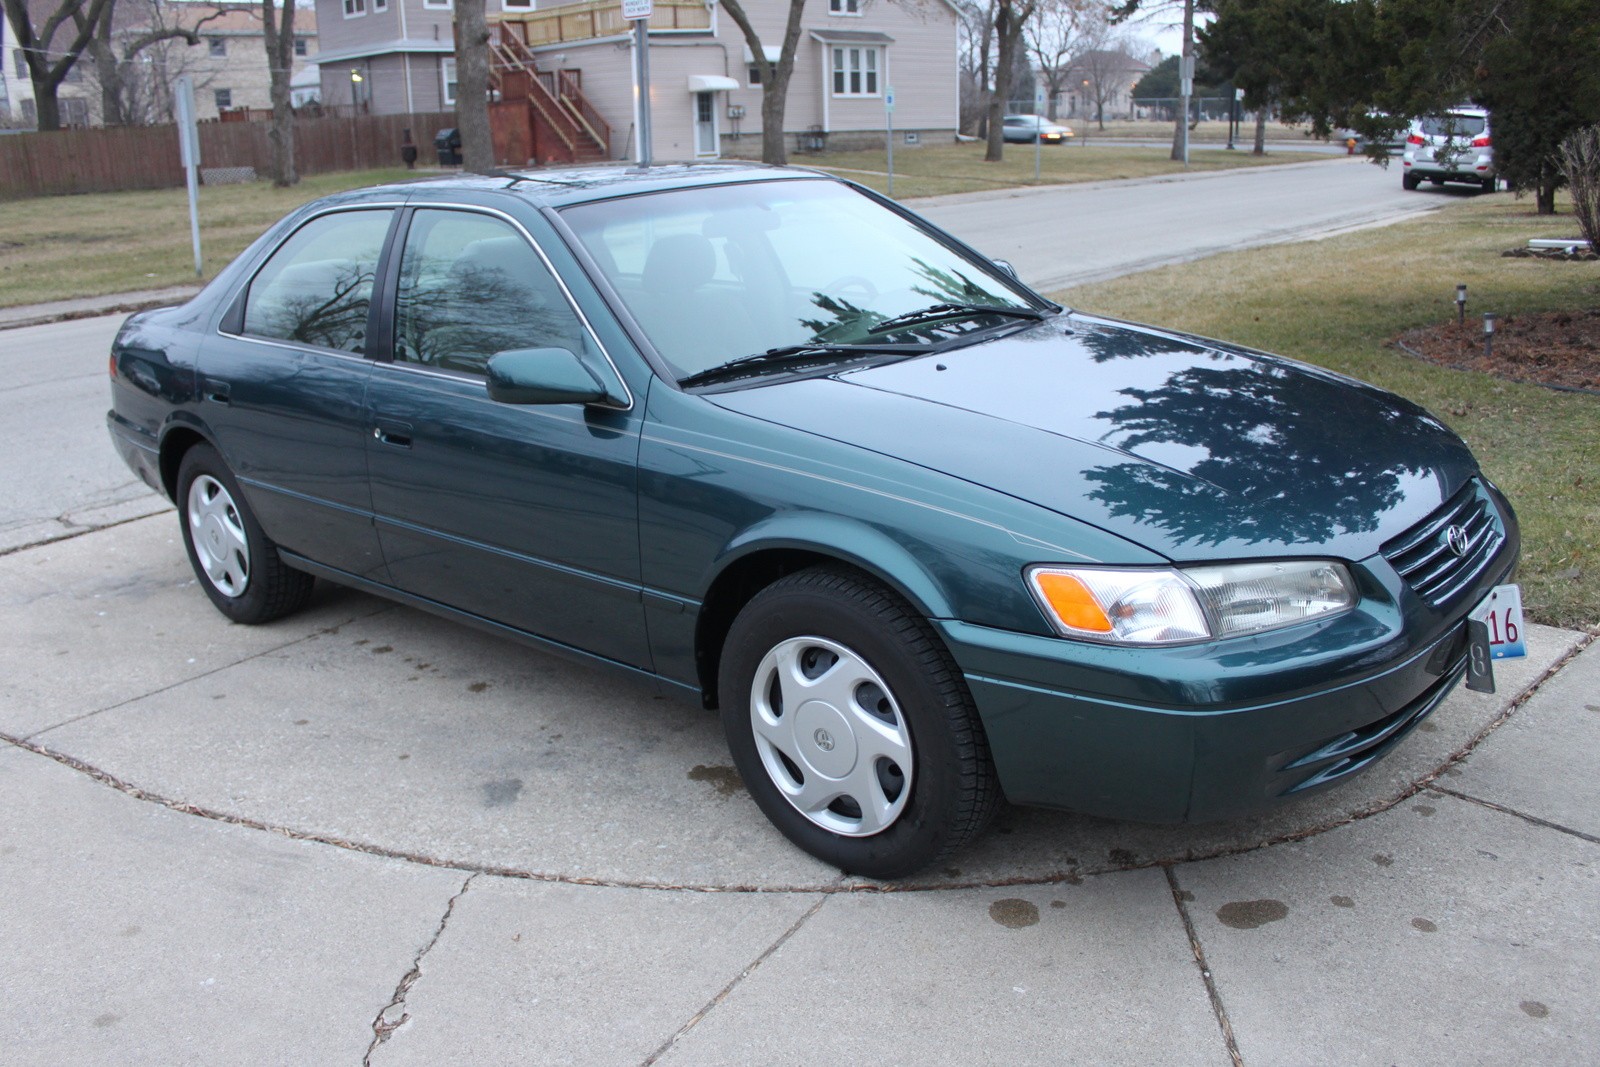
(447,73)
(379,5)
(755,74)
(21,61)
(300,46)
(218,46)
(844,7)
(224,98)
(855,72)
(354,8)
(74,111)
(444,4)
(516,5)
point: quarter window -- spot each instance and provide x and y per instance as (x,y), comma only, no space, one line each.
(317,286)
(855,72)
(470,286)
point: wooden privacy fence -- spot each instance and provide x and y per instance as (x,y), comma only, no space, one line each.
(146,157)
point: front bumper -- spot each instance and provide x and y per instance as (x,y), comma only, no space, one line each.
(1214,731)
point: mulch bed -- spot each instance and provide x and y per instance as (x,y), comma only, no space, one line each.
(1560,349)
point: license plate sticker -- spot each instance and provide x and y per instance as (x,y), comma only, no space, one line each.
(1501,615)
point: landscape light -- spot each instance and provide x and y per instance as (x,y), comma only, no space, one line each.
(1461,305)
(1489,318)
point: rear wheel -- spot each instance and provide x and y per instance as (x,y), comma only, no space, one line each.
(237,565)
(851,725)
(1410,181)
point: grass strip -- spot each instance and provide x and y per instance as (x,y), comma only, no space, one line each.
(1339,302)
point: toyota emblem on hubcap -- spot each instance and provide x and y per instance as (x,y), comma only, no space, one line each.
(823,739)
(1456,538)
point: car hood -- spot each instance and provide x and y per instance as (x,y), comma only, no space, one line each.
(1192,448)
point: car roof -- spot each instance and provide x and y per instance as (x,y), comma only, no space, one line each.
(562,186)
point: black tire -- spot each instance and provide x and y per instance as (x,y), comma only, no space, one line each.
(945,797)
(1489,185)
(1410,182)
(236,564)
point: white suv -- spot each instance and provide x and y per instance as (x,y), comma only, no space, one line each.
(1452,147)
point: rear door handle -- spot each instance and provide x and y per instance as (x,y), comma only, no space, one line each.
(217,392)
(397,434)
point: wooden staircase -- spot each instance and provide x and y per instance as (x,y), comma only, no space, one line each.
(541,115)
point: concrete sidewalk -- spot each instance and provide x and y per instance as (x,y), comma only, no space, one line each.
(365,835)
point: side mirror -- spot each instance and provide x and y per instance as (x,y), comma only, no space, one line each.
(542,376)
(1005,265)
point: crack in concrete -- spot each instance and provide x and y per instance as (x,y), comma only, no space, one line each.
(394,1014)
(727,990)
(1206,976)
(322,632)
(827,889)
(76,529)
(1524,816)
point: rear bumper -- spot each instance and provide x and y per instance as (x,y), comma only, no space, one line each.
(137,449)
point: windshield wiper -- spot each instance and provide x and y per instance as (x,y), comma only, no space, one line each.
(950,311)
(799,355)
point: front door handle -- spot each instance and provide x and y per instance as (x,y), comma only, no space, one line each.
(397,434)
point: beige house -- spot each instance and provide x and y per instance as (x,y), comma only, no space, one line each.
(705,90)
(1099,83)
(229,65)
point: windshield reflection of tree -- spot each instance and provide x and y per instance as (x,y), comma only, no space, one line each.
(338,320)
(851,321)
(457,320)
(1285,474)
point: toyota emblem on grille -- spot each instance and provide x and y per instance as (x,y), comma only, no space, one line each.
(1456,538)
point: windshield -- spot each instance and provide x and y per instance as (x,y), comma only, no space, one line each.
(717,273)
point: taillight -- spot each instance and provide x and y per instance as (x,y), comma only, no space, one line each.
(1415,138)
(113,364)
(1481,142)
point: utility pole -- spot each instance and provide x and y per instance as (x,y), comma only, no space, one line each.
(638,12)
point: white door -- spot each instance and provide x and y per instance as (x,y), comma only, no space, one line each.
(705,124)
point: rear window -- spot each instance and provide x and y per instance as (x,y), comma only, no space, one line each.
(1454,125)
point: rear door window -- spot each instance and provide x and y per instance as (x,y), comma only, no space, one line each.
(316,289)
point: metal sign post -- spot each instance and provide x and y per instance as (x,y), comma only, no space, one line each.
(189,153)
(638,12)
(1038,131)
(888,117)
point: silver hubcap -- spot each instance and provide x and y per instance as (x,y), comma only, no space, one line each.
(831,736)
(217,533)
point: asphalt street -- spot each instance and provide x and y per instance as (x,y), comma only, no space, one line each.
(366,835)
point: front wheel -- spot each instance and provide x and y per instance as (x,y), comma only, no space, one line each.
(851,725)
(237,565)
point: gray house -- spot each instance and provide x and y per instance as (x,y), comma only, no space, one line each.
(572,62)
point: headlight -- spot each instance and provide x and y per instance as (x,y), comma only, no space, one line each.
(1165,606)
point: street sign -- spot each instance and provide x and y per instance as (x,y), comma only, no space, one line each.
(888,98)
(636,9)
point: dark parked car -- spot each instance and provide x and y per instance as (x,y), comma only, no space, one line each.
(924,537)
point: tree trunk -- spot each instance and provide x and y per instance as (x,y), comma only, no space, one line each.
(108,72)
(774,76)
(46,107)
(1261,133)
(280,68)
(774,100)
(1008,34)
(1179,134)
(1545,197)
(472,86)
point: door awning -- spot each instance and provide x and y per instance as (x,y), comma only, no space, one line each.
(711,83)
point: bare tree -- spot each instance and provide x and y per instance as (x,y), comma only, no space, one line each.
(1010,16)
(36,47)
(126,97)
(1106,72)
(1128,9)
(1055,38)
(472,87)
(977,48)
(280,68)
(774,76)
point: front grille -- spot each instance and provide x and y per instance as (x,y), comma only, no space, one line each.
(1435,569)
